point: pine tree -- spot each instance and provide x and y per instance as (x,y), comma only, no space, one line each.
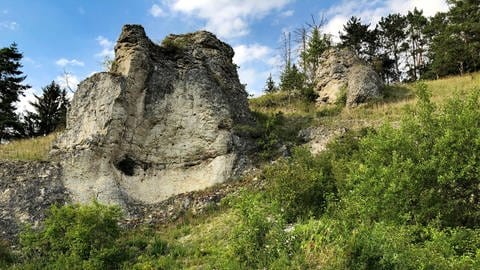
(11,88)
(392,36)
(455,39)
(316,46)
(292,79)
(270,85)
(50,111)
(355,35)
(417,44)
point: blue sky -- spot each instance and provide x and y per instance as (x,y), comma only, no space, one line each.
(70,38)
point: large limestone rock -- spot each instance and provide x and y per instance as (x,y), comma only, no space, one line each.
(160,123)
(343,75)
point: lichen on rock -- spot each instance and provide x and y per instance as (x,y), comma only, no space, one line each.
(158,124)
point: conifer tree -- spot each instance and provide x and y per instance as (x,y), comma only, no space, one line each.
(11,87)
(50,111)
(270,85)
(392,35)
(355,35)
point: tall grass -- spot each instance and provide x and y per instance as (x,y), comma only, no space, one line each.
(28,149)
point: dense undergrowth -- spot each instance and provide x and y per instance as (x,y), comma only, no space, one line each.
(404,197)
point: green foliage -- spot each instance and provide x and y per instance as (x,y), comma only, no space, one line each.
(312,50)
(259,240)
(392,35)
(75,237)
(270,85)
(291,79)
(425,171)
(332,244)
(357,36)
(50,111)
(455,40)
(272,130)
(11,88)
(175,44)
(301,185)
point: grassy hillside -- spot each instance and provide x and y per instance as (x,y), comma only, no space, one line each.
(392,108)
(394,198)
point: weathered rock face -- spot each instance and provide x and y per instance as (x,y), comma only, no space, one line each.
(27,190)
(342,73)
(160,123)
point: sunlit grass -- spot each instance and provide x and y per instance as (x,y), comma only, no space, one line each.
(391,109)
(28,149)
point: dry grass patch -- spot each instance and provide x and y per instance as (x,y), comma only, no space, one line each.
(28,149)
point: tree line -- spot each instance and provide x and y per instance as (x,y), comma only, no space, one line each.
(50,107)
(401,48)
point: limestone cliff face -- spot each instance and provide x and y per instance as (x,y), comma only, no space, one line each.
(341,72)
(160,123)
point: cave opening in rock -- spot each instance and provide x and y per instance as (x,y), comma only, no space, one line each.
(126,166)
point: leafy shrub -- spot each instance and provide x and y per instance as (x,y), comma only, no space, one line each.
(74,237)
(259,240)
(301,185)
(425,171)
(333,244)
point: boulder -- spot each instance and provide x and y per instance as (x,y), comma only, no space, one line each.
(159,123)
(344,77)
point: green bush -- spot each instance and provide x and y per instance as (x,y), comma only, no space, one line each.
(427,170)
(334,244)
(75,237)
(260,240)
(301,185)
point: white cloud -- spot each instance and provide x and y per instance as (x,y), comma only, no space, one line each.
(256,63)
(156,11)
(430,7)
(31,62)
(8,25)
(371,11)
(65,62)
(254,79)
(24,104)
(287,13)
(68,81)
(249,53)
(107,47)
(227,18)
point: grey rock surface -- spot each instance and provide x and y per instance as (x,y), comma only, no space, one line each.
(318,138)
(27,190)
(159,123)
(342,74)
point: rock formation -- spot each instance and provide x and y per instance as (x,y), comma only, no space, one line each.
(27,190)
(159,123)
(342,75)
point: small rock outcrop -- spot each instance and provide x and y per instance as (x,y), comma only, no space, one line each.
(343,75)
(159,123)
